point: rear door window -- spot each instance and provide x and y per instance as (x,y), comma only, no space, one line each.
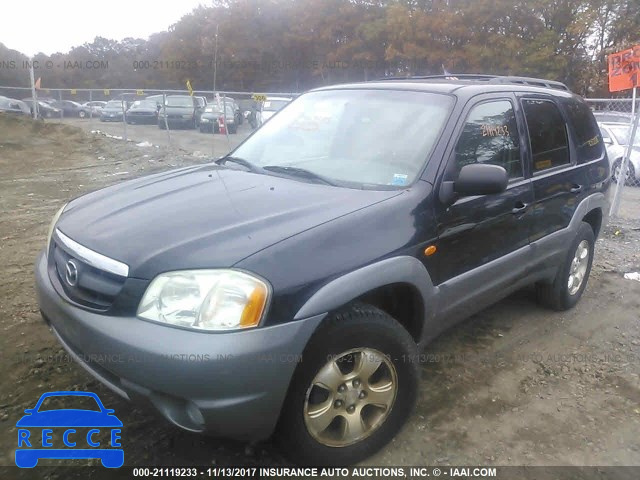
(547,134)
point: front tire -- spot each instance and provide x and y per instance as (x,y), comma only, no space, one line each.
(82,114)
(571,280)
(353,390)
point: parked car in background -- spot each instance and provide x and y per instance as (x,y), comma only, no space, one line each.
(49,100)
(71,109)
(201,101)
(95,106)
(180,111)
(270,106)
(143,111)
(112,111)
(210,119)
(616,117)
(237,111)
(11,105)
(45,110)
(616,138)
(156,98)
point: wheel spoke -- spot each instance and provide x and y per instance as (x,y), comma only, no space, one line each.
(329,376)
(368,364)
(320,416)
(381,395)
(354,426)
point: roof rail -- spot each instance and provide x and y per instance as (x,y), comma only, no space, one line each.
(534,82)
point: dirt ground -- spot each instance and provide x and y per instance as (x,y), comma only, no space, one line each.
(514,385)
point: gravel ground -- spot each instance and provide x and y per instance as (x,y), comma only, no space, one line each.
(514,385)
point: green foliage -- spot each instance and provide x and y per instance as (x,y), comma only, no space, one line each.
(293,45)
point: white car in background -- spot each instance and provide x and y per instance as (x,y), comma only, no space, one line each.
(95,106)
(616,138)
(270,106)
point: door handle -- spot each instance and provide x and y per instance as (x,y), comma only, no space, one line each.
(575,188)
(519,208)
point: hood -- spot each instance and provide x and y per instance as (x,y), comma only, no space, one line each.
(203,217)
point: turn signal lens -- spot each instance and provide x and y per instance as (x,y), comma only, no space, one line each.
(430,250)
(252,313)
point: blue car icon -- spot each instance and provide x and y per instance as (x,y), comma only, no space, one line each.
(38,428)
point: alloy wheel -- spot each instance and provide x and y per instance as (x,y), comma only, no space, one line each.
(578,267)
(350,397)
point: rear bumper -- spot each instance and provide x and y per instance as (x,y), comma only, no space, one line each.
(227,384)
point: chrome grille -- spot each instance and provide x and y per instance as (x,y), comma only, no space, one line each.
(87,278)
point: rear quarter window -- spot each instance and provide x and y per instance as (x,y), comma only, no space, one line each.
(588,137)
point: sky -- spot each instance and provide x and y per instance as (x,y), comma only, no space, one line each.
(51,26)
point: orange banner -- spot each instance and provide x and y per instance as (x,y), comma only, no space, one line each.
(624,69)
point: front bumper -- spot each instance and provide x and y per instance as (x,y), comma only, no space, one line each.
(228,384)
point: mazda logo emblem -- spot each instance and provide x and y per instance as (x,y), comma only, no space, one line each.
(71,273)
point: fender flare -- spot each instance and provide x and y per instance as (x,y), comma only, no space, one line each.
(401,269)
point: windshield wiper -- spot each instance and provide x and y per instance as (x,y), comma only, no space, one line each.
(301,172)
(239,161)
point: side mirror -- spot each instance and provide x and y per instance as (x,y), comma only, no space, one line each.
(481,179)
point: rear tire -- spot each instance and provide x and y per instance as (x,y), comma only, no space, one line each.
(563,294)
(357,344)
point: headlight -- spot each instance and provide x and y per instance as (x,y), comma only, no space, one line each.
(52,226)
(205,299)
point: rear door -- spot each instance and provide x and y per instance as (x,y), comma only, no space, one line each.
(568,163)
(560,152)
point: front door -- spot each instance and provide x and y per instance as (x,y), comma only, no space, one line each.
(483,240)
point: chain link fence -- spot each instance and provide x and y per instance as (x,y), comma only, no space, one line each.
(155,117)
(615,117)
(116,113)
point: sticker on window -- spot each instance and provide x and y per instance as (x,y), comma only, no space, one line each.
(542,164)
(494,130)
(399,179)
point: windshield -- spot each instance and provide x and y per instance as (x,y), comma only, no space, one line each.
(114,104)
(274,105)
(367,137)
(216,109)
(144,104)
(179,101)
(622,135)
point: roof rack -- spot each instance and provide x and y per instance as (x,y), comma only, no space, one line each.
(534,82)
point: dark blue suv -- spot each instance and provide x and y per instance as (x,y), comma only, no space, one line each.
(288,286)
